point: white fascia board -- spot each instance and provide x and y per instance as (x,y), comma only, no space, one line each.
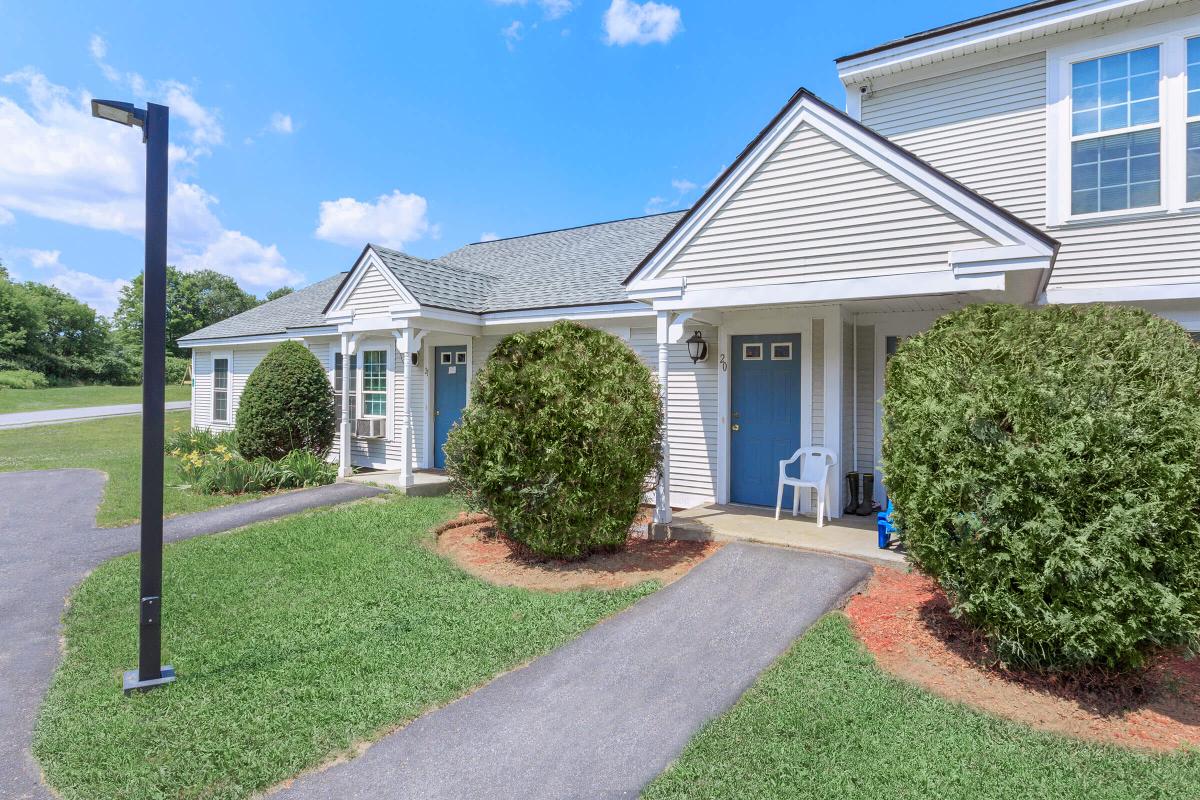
(939,190)
(998,259)
(369,259)
(612,311)
(1121,294)
(1039,22)
(910,285)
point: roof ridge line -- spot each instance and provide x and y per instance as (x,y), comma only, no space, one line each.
(572,228)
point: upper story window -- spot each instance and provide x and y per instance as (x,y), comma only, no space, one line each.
(1193,115)
(1124,124)
(1116,138)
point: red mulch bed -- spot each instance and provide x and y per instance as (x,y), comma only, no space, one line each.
(473,543)
(905,621)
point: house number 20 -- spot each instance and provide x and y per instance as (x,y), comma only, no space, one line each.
(724,364)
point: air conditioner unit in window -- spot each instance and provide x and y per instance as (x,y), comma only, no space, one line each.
(370,428)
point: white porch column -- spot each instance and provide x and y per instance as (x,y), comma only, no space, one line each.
(662,495)
(407,342)
(835,364)
(345,469)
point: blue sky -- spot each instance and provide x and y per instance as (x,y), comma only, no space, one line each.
(300,131)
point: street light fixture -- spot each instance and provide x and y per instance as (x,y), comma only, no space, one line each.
(155,123)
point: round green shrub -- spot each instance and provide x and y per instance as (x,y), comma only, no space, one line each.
(1045,466)
(563,427)
(287,405)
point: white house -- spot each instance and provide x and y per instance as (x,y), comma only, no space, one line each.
(1049,153)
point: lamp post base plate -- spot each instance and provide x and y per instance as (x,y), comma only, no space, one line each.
(131,683)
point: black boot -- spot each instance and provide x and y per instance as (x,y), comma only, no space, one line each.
(851,492)
(868,494)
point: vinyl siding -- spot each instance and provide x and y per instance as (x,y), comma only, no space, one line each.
(815,211)
(373,294)
(848,444)
(986,127)
(817,345)
(865,409)
(692,414)
(201,388)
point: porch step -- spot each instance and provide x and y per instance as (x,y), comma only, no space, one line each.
(425,484)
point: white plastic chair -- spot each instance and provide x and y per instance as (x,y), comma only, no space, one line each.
(815,469)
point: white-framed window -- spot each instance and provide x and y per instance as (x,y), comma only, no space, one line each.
(781,351)
(1116,132)
(460,357)
(374,383)
(220,386)
(752,351)
(1192,191)
(1124,124)
(446,357)
(337,385)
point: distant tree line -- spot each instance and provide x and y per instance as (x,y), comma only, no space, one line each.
(47,331)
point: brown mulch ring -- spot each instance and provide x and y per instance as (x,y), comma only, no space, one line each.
(905,621)
(474,544)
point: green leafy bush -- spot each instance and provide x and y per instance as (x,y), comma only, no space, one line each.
(186,440)
(301,468)
(287,405)
(22,379)
(1046,469)
(563,427)
(176,369)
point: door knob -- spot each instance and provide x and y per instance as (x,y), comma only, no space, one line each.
(736,427)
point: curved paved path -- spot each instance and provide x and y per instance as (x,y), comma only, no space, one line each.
(48,542)
(28,419)
(605,714)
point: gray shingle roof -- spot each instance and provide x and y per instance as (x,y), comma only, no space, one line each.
(436,284)
(571,267)
(576,266)
(300,309)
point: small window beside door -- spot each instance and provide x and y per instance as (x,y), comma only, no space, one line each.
(752,351)
(460,357)
(781,351)
(446,358)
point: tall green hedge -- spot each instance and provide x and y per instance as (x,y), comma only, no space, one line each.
(287,405)
(1046,470)
(563,428)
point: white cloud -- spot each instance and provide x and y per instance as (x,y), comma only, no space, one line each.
(658,203)
(98,47)
(59,163)
(626,22)
(511,34)
(488,236)
(250,263)
(392,220)
(282,123)
(6,217)
(100,293)
(553,9)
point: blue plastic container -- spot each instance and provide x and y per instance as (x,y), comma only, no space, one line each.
(886,526)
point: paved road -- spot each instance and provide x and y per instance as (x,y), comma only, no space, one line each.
(28,419)
(604,715)
(48,542)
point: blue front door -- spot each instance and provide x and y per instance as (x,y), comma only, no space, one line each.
(764,414)
(449,395)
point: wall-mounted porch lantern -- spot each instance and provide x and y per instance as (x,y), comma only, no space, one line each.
(413,355)
(697,347)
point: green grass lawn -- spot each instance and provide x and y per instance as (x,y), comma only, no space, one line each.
(293,640)
(16,400)
(825,722)
(111,445)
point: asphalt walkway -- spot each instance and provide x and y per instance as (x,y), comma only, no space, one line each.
(605,714)
(27,419)
(48,543)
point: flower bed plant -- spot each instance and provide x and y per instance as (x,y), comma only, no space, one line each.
(210,464)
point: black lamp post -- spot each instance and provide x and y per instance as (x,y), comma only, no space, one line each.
(154,122)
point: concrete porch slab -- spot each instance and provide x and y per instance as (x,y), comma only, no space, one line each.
(425,483)
(856,537)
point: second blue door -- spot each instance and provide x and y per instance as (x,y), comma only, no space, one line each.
(449,395)
(764,418)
